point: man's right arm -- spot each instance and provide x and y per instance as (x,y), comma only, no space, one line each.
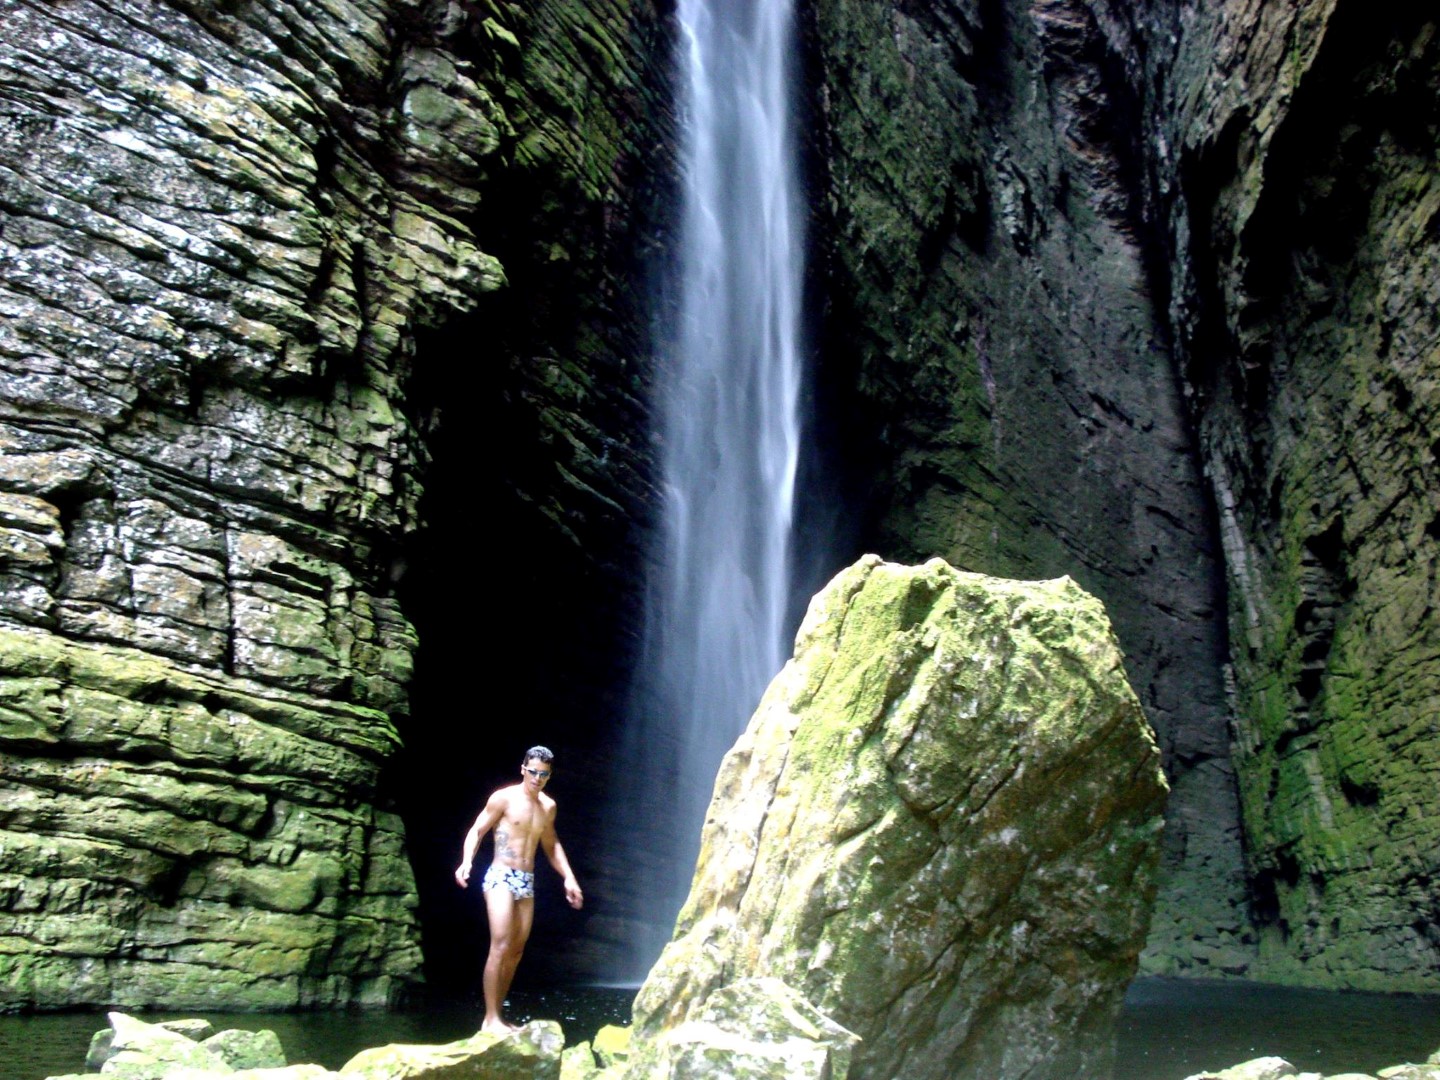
(483,824)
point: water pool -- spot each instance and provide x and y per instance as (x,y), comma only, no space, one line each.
(1170,1028)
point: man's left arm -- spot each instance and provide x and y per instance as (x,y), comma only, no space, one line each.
(555,852)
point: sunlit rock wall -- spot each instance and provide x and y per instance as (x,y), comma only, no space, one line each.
(1306,257)
(996,302)
(220,227)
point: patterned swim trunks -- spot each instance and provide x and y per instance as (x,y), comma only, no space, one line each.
(521,883)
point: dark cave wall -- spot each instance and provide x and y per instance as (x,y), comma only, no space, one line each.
(1305,232)
(996,302)
(525,576)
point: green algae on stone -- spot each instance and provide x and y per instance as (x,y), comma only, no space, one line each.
(531,1053)
(941,827)
(162,865)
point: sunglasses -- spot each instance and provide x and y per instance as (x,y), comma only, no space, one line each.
(537,773)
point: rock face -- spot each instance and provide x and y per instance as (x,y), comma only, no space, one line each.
(245,331)
(1144,293)
(223,225)
(1305,258)
(996,308)
(941,828)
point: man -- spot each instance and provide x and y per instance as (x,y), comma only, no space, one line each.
(523,819)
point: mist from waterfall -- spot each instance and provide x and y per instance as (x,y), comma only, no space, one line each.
(728,411)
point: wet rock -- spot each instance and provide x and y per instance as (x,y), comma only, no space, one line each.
(1265,1068)
(531,1053)
(141,1051)
(941,827)
(1429,1071)
(756,1029)
(247,1050)
(612,1044)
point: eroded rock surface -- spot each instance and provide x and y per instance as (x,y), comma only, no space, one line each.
(222,227)
(941,828)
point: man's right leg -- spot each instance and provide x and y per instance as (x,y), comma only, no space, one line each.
(510,921)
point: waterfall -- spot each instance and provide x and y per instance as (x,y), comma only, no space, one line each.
(728,419)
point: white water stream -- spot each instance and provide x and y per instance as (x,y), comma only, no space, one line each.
(728,409)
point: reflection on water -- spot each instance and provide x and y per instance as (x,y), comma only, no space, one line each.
(1171,1028)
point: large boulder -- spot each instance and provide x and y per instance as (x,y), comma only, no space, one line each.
(941,828)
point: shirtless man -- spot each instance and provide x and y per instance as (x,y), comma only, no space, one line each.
(523,819)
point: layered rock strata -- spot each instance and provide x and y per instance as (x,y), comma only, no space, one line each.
(222,226)
(941,828)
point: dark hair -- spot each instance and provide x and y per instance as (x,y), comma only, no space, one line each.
(541,752)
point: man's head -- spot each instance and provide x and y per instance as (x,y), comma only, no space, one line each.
(537,765)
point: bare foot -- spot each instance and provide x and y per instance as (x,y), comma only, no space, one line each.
(498,1027)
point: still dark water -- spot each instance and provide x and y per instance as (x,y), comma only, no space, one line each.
(1169,1030)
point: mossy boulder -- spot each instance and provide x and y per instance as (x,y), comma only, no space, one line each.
(532,1053)
(941,828)
(243,1050)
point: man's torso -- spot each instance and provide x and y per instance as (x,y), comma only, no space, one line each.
(521,825)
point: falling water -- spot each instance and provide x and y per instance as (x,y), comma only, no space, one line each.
(728,414)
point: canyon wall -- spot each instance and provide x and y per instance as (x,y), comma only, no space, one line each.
(996,304)
(324,360)
(1145,294)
